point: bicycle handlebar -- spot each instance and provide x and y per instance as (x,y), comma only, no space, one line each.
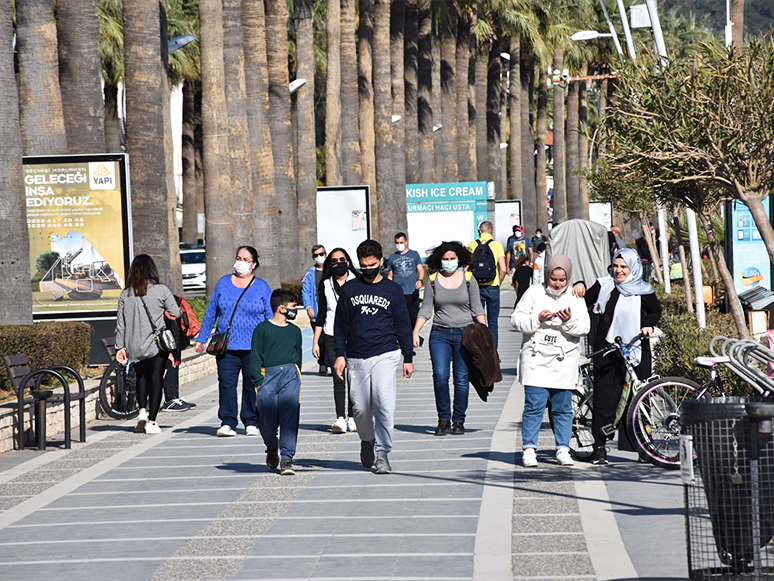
(618,345)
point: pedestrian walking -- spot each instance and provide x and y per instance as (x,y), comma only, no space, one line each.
(336,271)
(309,286)
(489,268)
(538,238)
(522,277)
(139,321)
(625,305)
(372,333)
(452,300)
(517,246)
(275,364)
(405,268)
(538,271)
(240,301)
(553,321)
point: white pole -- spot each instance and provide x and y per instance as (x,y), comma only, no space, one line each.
(627,31)
(698,283)
(613,34)
(729,25)
(658,36)
(663,242)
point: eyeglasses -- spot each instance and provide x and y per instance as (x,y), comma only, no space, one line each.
(247,260)
(335,260)
(319,254)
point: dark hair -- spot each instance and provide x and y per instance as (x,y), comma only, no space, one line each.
(463,255)
(282,297)
(401,235)
(327,272)
(369,248)
(253,253)
(141,272)
(540,247)
(521,260)
(317,247)
(538,230)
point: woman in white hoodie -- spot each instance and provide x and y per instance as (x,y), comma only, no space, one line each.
(553,321)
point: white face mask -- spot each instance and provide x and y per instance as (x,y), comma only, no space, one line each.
(319,260)
(400,247)
(242,268)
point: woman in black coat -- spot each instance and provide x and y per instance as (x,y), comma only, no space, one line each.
(625,306)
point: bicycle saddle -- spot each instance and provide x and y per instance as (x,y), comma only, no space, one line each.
(710,361)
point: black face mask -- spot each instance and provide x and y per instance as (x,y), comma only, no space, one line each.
(290,314)
(339,268)
(370,273)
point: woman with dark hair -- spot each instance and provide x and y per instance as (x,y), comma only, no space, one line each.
(239,302)
(140,316)
(453,300)
(337,270)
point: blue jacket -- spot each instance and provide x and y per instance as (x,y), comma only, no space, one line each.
(309,291)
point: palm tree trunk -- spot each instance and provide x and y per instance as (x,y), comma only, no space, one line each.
(333,97)
(411,96)
(306,155)
(282,138)
(80,75)
(737,17)
(573,143)
(583,144)
(350,131)
(560,180)
(146,135)
(493,116)
(261,152)
(15,295)
(515,151)
(438,136)
(384,143)
(529,199)
(236,103)
(472,139)
(425,95)
(540,147)
(397,42)
(601,145)
(502,187)
(652,248)
(40,102)
(482,82)
(366,91)
(462,70)
(190,217)
(199,159)
(449,98)
(112,122)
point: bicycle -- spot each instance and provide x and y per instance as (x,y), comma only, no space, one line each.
(118,387)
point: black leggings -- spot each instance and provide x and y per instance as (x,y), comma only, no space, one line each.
(339,386)
(150,376)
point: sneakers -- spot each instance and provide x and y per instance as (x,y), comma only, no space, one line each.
(442,427)
(367,452)
(226,430)
(142,419)
(152,428)
(339,426)
(382,464)
(252,431)
(563,457)
(176,405)
(351,425)
(272,458)
(323,371)
(529,458)
(186,402)
(600,456)
(458,429)
(286,467)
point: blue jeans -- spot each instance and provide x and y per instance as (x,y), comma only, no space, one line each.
(535,400)
(229,367)
(490,300)
(446,351)
(279,402)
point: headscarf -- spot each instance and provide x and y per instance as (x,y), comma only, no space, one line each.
(558,262)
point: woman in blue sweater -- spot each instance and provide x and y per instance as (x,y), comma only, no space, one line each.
(254,308)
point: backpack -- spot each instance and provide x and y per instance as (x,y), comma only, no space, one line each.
(432,277)
(188,323)
(483,266)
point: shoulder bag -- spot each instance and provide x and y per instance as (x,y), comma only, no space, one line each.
(219,343)
(165,339)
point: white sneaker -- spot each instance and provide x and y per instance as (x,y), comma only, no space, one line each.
(152,428)
(529,458)
(252,431)
(339,426)
(226,430)
(142,419)
(351,426)
(563,457)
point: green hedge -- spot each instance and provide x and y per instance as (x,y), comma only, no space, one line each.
(45,344)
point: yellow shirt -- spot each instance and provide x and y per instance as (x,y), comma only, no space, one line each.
(497,250)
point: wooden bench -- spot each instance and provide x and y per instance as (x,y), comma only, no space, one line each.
(22,377)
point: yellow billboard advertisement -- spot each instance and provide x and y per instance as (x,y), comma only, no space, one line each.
(79,227)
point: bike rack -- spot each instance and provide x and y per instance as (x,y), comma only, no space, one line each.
(742,355)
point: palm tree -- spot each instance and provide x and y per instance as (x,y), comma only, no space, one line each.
(384,142)
(397,26)
(449,95)
(366,117)
(435,94)
(572,151)
(190,231)
(15,295)
(540,148)
(583,144)
(350,102)
(481,85)
(80,75)
(261,152)
(515,149)
(527,72)
(493,88)
(472,157)
(281,137)
(411,95)
(40,102)
(425,92)
(333,97)
(111,47)
(560,182)
(463,71)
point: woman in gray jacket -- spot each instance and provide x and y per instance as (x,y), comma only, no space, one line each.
(140,315)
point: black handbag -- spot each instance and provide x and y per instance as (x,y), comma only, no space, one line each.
(219,343)
(165,339)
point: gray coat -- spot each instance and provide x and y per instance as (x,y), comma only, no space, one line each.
(134,331)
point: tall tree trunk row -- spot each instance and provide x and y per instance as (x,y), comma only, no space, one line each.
(350,107)
(333,96)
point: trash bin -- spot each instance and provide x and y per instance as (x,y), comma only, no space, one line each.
(727,462)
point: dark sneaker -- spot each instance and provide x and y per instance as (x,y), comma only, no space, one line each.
(286,467)
(176,405)
(272,458)
(442,427)
(382,464)
(367,452)
(186,402)
(323,371)
(600,457)
(458,429)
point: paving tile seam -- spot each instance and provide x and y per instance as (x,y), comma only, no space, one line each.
(299,462)
(546,534)
(539,553)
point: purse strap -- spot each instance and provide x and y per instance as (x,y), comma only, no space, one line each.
(237,304)
(147,312)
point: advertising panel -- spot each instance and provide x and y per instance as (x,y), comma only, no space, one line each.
(507,215)
(750,263)
(343,218)
(79,224)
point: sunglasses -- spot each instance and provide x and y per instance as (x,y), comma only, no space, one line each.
(320,254)
(334,260)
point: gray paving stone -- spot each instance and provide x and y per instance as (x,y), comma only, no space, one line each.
(547,524)
(525,544)
(553,564)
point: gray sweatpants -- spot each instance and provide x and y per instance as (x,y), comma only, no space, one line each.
(372,390)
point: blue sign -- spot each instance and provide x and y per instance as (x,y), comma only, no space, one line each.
(750,261)
(446,192)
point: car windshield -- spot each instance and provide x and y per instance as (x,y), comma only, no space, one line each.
(192,258)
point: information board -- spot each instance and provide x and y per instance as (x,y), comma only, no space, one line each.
(507,215)
(749,262)
(343,218)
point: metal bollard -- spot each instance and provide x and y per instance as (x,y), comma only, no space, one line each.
(41,395)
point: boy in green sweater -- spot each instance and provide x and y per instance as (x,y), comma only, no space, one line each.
(275,368)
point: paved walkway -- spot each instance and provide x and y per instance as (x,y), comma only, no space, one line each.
(185,504)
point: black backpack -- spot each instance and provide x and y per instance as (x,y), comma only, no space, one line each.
(483,266)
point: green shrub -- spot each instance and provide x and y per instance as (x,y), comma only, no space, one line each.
(45,344)
(293,285)
(199,305)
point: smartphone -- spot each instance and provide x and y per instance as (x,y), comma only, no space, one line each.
(421,341)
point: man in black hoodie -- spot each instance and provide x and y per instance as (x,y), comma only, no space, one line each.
(371,332)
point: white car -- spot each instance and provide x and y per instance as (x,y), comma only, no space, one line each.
(194,268)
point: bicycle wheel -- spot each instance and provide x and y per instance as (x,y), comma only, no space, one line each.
(582,438)
(654,419)
(117,392)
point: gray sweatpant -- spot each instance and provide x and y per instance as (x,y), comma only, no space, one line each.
(372,390)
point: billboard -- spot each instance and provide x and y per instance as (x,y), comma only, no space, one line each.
(749,261)
(79,225)
(343,218)
(507,215)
